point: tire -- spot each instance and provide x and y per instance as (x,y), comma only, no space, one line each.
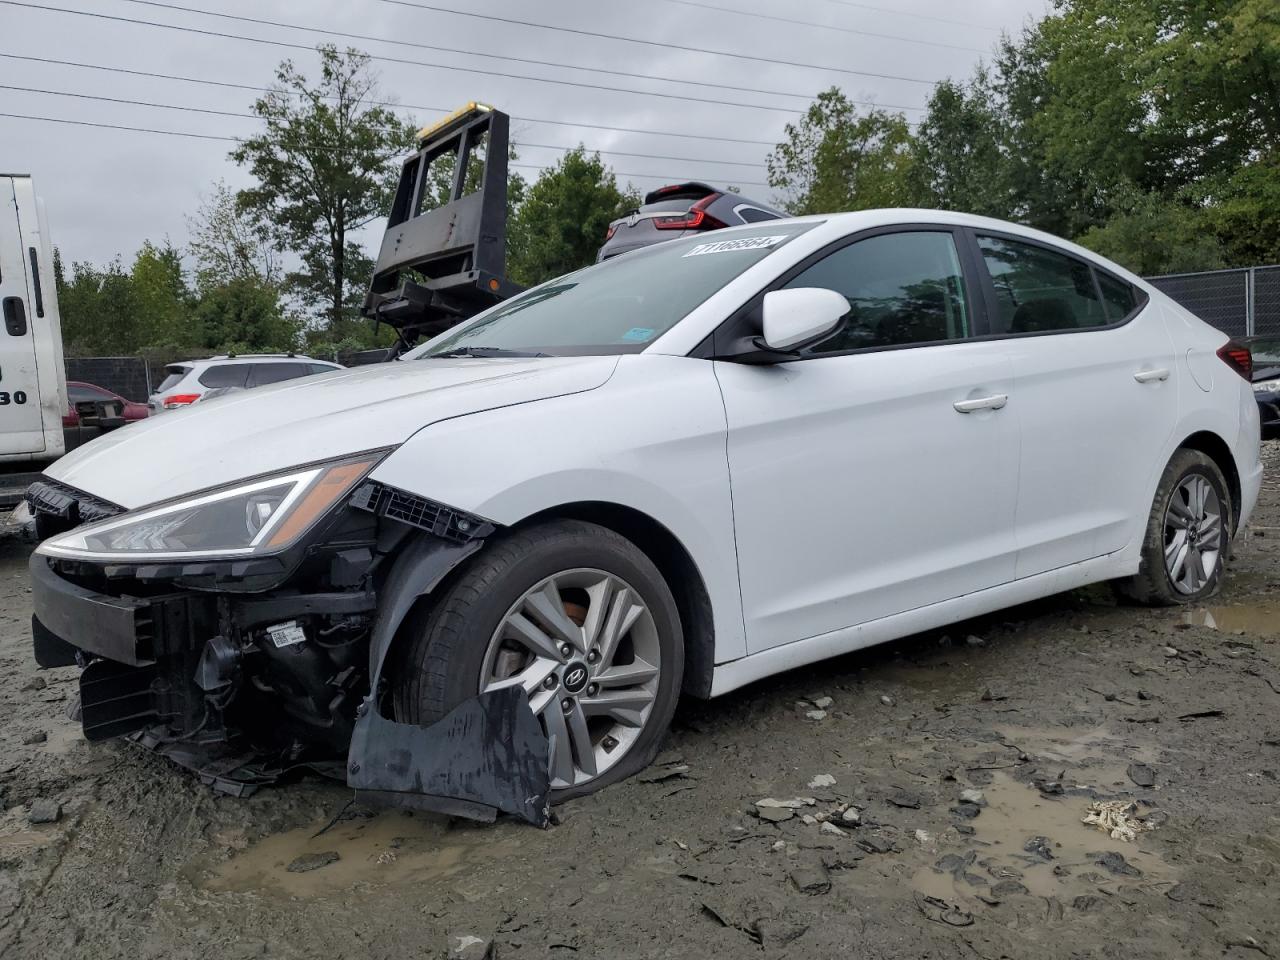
(452,647)
(1154,584)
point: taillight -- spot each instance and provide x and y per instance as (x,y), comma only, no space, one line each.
(696,218)
(175,400)
(613,228)
(1237,356)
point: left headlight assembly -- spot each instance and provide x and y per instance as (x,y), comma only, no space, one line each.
(256,517)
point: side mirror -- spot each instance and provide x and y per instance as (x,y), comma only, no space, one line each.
(799,316)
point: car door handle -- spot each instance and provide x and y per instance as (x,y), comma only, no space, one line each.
(993,402)
(1151,376)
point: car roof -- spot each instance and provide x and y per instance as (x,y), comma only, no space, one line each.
(252,358)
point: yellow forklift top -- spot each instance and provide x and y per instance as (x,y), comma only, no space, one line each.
(455,118)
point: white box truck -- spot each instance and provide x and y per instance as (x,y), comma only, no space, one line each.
(33,385)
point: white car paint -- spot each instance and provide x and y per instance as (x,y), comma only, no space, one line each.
(828,503)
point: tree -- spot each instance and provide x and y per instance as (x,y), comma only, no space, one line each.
(959,162)
(161,299)
(324,167)
(244,315)
(228,243)
(1152,235)
(564,217)
(838,159)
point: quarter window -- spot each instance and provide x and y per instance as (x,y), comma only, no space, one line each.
(1040,290)
(1118,297)
(225,375)
(902,288)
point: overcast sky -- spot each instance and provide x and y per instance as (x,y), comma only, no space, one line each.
(108,190)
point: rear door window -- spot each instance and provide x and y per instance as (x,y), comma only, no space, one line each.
(264,373)
(226,375)
(1039,290)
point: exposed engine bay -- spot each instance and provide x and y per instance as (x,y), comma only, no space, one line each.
(245,669)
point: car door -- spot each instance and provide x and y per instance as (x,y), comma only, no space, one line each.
(1096,382)
(22,299)
(877,473)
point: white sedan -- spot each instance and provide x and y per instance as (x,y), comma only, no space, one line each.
(683,469)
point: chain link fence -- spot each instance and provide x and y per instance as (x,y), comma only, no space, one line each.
(1240,302)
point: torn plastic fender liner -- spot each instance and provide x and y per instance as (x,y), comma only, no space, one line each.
(488,755)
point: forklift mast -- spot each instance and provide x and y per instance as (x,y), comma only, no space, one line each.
(442,264)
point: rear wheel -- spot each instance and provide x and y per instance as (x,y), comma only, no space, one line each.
(582,620)
(1188,533)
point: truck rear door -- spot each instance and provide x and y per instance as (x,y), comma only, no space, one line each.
(23,291)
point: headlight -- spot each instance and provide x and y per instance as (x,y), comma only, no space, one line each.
(1267,386)
(261,516)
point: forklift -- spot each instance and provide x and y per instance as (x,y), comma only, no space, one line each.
(444,262)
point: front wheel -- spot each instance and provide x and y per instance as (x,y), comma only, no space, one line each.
(1188,533)
(581,619)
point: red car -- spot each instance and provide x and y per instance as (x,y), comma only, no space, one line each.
(78,392)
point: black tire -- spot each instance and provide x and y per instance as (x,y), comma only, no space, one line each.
(1152,585)
(444,642)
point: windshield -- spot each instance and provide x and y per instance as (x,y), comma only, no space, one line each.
(619,306)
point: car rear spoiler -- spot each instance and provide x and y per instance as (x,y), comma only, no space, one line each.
(440,265)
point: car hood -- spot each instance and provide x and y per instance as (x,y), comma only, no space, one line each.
(316,418)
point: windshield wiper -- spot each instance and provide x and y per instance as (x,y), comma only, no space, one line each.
(487,352)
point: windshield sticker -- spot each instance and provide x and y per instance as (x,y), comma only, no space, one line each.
(638,334)
(746,243)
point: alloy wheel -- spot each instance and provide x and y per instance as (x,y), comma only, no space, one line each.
(584,646)
(1192,534)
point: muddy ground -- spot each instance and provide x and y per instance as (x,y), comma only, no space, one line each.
(1047,708)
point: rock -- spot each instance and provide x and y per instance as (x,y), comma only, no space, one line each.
(778,933)
(774,814)
(886,700)
(976,797)
(812,880)
(1170,651)
(795,803)
(822,780)
(44,811)
(822,703)
(808,820)
(1086,902)
(35,736)
(975,641)
(778,846)
(832,830)
(851,816)
(1142,775)
(670,772)
(816,714)
(1115,864)
(876,845)
(846,858)
(1040,846)
(963,829)
(905,799)
(923,837)
(966,810)
(313,861)
(1008,888)
(467,946)
(35,683)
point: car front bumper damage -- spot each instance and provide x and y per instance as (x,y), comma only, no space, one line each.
(243,671)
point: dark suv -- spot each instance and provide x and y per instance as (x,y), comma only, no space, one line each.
(678,211)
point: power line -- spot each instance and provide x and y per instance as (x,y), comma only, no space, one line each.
(401,60)
(656,43)
(469,53)
(250,116)
(226,139)
(384,103)
(810,23)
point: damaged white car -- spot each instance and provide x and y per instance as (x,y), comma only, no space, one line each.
(478,578)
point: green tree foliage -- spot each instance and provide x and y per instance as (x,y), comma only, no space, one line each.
(325,166)
(244,315)
(837,158)
(1151,236)
(564,217)
(959,159)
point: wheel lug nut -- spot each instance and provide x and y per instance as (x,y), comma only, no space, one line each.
(608,743)
(565,649)
(549,682)
(593,656)
(593,689)
(566,704)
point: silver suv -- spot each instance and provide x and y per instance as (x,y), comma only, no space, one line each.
(188,381)
(681,210)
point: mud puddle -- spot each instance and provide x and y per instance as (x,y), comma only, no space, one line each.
(1262,618)
(1096,757)
(392,847)
(1026,844)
